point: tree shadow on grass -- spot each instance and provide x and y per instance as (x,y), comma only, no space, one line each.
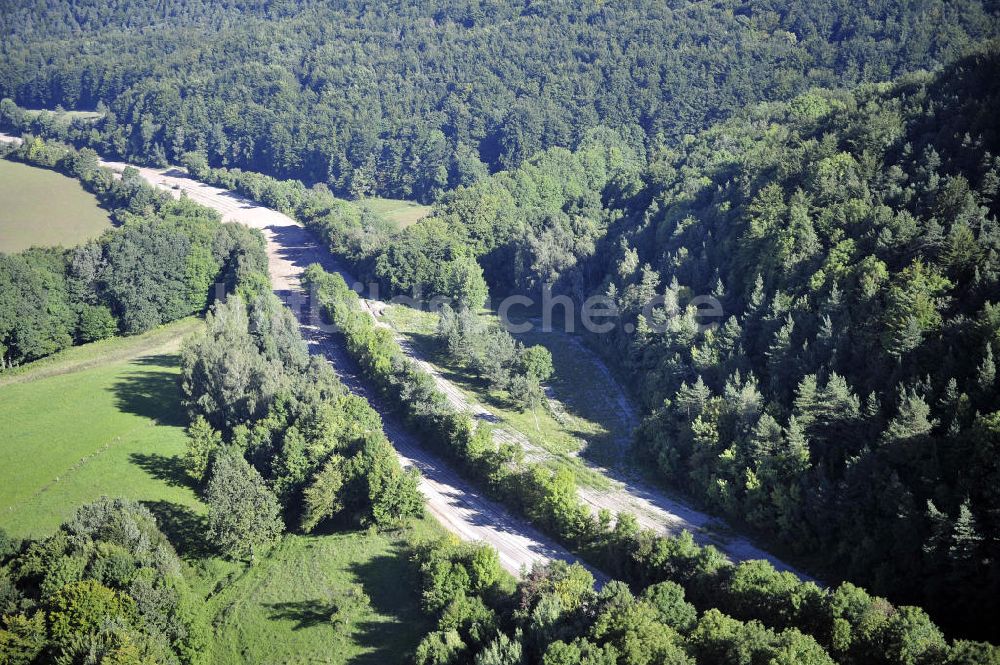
(185,529)
(152,393)
(169,469)
(305,613)
(428,345)
(392,587)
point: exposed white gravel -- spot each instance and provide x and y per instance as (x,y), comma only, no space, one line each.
(455,503)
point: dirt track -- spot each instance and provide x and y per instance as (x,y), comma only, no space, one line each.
(455,503)
(652,508)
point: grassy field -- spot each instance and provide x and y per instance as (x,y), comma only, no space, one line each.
(584,420)
(106,419)
(336,598)
(62,118)
(402,213)
(585,393)
(99,419)
(42,207)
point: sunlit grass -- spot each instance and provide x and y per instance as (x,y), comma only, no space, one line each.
(402,213)
(99,419)
(106,419)
(43,208)
(335,598)
(585,420)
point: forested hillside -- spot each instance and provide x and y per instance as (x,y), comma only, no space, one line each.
(164,261)
(750,612)
(411,99)
(846,402)
(827,171)
(557,616)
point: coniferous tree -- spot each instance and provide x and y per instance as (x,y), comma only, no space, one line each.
(243,514)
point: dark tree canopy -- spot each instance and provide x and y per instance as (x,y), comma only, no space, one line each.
(412,98)
(107,585)
(845,403)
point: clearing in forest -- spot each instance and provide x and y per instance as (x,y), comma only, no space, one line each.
(335,598)
(43,208)
(582,418)
(402,213)
(98,419)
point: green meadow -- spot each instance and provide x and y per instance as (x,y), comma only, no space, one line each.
(61,118)
(335,598)
(106,419)
(98,419)
(39,207)
(400,212)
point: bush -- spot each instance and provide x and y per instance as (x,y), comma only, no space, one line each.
(96,322)
(752,591)
(109,586)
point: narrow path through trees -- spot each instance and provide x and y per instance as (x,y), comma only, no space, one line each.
(455,503)
(459,506)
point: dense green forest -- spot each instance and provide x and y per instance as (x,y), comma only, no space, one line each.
(160,264)
(748,612)
(413,98)
(107,587)
(828,172)
(274,434)
(848,403)
(556,616)
(850,238)
(845,405)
